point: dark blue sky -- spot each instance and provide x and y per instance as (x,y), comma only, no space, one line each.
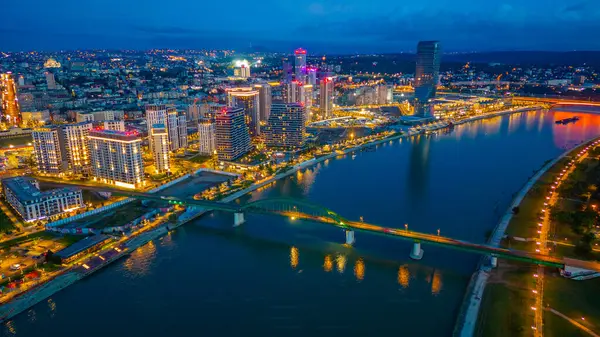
(333,26)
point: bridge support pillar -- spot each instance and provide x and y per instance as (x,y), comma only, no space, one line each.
(238,219)
(494,261)
(350,240)
(417,252)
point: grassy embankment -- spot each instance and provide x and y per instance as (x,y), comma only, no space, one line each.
(506,303)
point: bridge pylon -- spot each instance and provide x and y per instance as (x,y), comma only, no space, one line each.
(493,261)
(350,240)
(417,252)
(238,218)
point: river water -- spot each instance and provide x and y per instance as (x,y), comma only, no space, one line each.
(274,276)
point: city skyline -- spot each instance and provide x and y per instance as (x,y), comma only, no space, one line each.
(330,26)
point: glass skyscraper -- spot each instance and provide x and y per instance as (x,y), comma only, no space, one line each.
(427,72)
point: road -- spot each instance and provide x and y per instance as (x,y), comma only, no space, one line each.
(574,322)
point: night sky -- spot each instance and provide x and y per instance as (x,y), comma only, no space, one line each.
(327,26)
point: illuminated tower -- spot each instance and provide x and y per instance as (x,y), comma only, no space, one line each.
(47,150)
(160,149)
(300,64)
(117,158)
(231,134)
(286,127)
(248,99)
(206,137)
(77,146)
(427,72)
(11,112)
(326,98)
(265,97)
(242,69)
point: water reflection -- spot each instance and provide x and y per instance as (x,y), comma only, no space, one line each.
(294,257)
(569,135)
(139,261)
(340,262)
(52,306)
(10,328)
(328,264)
(418,172)
(403,276)
(359,269)
(436,282)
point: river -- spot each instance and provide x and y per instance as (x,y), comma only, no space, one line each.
(277,276)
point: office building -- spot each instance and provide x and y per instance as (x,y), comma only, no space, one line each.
(427,72)
(286,126)
(248,99)
(294,92)
(11,112)
(76,146)
(300,64)
(25,197)
(326,98)
(114,125)
(232,138)
(206,137)
(47,150)
(117,158)
(50,81)
(160,148)
(265,98)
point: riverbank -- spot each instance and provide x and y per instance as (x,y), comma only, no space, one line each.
(468,318)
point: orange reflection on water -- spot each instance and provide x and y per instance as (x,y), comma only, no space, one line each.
(294,257)
(403,276)
(140,259)
(436,283)
(328,263)
(569,134)
(359,269)
(340,262)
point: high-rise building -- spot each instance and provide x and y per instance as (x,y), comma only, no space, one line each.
(50,81)
(326,98)
(242,69)
(231,134)
(160,148)
(286,127)
(173,129)
(11,112)
(77,147)
(427,72)
(308,99)
(300,64)
(265,97)
(287,74)
(311,76)
(182,131)
(47,150)
(117,158)
(294,92)
(168,116)
(206,137)
(248,99)
(194,112)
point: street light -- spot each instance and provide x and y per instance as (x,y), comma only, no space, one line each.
(406,227)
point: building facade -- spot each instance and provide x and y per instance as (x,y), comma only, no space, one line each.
(326,98)
(300,64)
(265,98)
(232,138)
(25,197)
(286,127)
(117,158)
(206,137)
(427,73)
(248,99)
(77,146)
(114,125)
(160,149)
(47,150)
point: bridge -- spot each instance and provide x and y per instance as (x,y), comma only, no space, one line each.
(556,101)
(302,209)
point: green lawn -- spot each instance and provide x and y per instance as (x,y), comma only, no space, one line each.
(575,299)
(199,159)
(23,140)
(503,312)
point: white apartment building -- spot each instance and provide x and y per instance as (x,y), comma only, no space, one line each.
(76,145)
(25,197)
(47,150)
(206,137)
(160,149)
(117,158)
